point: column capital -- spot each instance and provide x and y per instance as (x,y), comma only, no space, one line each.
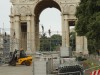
(66,17)
(33,16)
(17,18)
(28,17)
(11,16)
(11,20)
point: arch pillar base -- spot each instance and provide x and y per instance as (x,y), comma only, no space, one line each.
(81,45)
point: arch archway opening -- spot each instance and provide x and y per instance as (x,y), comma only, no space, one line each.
(39,9)
(43,5)
(50,18)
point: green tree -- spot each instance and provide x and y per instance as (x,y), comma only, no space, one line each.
(88,24)
(44,43)
(50,43)
(72,40)
(56,41)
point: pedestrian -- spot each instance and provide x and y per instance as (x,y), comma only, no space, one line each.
(22,53)
(14,58)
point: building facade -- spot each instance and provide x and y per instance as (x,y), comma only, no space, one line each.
(24,19)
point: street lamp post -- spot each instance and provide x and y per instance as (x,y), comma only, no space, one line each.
(49,31)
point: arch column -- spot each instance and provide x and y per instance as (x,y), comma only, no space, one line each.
(12,34)
(37,37)
(33,41)
(65,32)
(81,45)
(85,52)
(17,32)
(28,34)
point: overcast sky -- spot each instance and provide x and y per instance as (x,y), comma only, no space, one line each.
(4,13)
(50,18)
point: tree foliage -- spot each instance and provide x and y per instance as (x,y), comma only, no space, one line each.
(72,41)
(88,24)
(44,43)
(50,43)
(56,41)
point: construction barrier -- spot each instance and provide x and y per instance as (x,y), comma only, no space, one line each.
(96,72)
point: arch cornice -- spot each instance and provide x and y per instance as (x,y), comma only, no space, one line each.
(33,5)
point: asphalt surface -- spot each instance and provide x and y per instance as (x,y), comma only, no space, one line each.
(15,70)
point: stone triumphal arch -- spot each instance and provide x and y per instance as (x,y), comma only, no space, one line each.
(24,19)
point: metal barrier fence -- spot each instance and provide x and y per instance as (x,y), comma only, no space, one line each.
(4,45)
(71,73)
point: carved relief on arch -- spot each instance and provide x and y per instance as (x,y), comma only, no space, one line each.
(22,1)
(28,10)
(72,9)
(13,1)
(25,10)
(16,10)
(25,1)
(65,9)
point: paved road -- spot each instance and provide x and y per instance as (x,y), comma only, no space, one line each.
(15,70)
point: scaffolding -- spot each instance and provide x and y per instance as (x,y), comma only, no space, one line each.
(4,45)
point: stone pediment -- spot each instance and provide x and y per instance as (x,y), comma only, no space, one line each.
(23,7)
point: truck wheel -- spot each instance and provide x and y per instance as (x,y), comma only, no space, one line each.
(27,63)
